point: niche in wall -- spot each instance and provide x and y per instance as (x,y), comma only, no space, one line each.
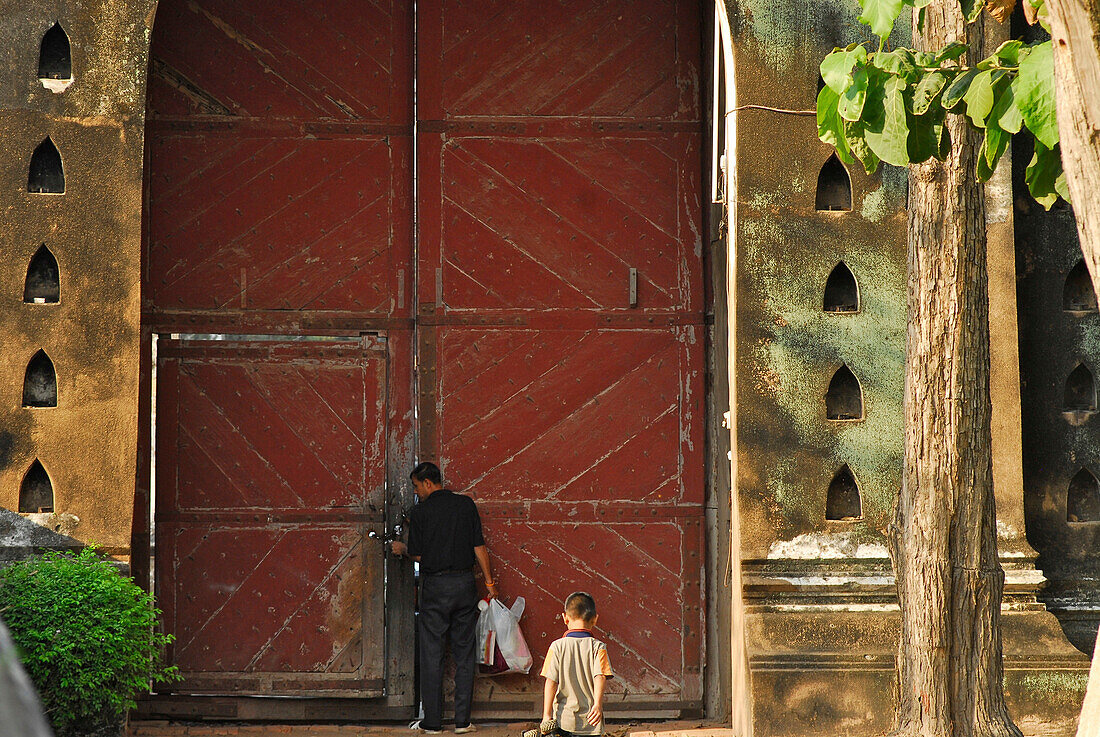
(36,491)
(1077,295)
(1080,395)
(844,400)
(43,284)
(834,186)
(1083,498)
(841,290)
(40,382)
(55,60)
(46,175)
(842,501)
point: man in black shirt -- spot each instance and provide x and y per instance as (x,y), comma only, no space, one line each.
(445,538)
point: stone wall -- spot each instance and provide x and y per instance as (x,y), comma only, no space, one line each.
(87,442)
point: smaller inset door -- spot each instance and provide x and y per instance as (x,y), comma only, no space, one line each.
(271,461)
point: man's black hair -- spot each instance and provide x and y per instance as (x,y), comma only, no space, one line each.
(427,471)
(581,605)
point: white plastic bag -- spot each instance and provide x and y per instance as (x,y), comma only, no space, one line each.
(508,635)
(486,635)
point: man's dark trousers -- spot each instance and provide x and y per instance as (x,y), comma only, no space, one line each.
(448,606)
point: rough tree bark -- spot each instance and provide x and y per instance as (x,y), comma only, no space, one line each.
(943,537)
(1075,30)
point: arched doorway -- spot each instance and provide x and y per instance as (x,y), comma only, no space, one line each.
(540,332)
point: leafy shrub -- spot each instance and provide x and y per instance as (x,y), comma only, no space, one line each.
(86,636)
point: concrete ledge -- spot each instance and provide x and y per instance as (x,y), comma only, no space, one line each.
(712,732)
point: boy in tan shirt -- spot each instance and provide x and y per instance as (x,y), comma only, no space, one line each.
(576,671)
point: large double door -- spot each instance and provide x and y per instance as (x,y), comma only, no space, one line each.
(527,311)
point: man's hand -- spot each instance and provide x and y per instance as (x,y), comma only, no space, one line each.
(595,715)
(399,548)
(491,589)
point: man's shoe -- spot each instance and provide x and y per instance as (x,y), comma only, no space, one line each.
(418,727)
(465,730)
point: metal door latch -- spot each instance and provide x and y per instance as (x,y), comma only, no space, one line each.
(388,537)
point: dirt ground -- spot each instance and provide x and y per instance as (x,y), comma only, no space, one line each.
(617,728)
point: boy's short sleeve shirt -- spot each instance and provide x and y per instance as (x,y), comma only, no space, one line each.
(573,663)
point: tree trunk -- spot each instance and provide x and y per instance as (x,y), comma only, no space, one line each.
(943,537)
(1075,30)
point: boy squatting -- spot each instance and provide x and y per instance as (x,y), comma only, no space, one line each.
(576,671)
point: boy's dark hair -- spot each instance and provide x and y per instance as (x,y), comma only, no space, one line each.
(581,605)
(427,471)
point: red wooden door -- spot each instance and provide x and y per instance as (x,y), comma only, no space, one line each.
(271,470)
(561,312)
(279,203)
(557,308)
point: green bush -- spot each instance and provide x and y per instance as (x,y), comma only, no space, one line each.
(86,636)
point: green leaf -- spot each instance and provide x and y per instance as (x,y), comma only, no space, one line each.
(951,52)
(890,140)
(1043,175)
(958,89)
(926,90)
(1043,13)
(836,68)
(880,15)
(1034,94)
(854,136)
(1005,114)
(972,9)
(1061,187)
(854,97)
(899,61)
(926,134)
(1009,53)
(979,98)
(993,147)
(830,126)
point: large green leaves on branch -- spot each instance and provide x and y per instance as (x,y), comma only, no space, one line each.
(892,105)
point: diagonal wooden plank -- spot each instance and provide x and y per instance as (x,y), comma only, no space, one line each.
(548,202)
(268,647)
(181,645)
(587,372)
(202,462)
(521,278)
(605,421)
(205,411)
(489,390)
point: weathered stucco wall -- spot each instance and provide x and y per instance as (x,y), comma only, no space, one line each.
(789,346)
(87,443)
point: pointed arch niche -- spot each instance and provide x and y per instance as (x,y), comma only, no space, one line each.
(842,500)
(40,382)
(841,290)
(36,491)
(43,284)
(55,60)
(844,400)
(1078,295)
(834,187)
(47,174)
(1083,498)
(1080,395)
